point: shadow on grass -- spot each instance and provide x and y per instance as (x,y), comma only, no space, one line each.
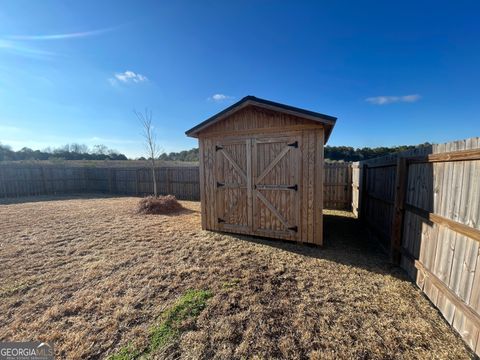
(346,242)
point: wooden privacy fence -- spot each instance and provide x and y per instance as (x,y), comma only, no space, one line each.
(337,186)
(424,208)
(30,180)
(183,182)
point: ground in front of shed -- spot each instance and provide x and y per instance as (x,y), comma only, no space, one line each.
(97,279)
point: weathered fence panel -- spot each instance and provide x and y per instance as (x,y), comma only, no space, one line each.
(183,182)
(424,208)
(31,180)
(337,186)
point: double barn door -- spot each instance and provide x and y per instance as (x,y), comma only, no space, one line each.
(258,186)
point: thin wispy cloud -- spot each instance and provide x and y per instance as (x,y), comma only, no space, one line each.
(16,48)
(62,36)
(127,77)
(384,100)
(219,97)
(21,44)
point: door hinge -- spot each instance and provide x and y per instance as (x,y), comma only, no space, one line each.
(293,228)
(218,148)
(220,220)
(294,144)
(219,184)
(293,187)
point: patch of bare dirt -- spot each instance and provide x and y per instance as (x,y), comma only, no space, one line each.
(92,276)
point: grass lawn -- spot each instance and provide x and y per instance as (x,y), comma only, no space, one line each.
(100,281)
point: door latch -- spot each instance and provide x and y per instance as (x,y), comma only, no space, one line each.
(294,144)
(293,187)
(293,228)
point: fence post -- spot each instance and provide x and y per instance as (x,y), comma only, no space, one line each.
(3,181)
(401,176)
(42,170)
(362,198)
(348,187)
(64,179)
(85,180)
(136,182)
(167,180)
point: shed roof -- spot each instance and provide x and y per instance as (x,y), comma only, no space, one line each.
(326,120)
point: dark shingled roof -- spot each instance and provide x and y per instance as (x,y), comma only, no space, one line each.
(327,120)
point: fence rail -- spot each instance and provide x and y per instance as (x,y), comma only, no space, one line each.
(424,208)
(183,182)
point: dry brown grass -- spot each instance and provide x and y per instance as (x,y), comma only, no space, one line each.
(92,276)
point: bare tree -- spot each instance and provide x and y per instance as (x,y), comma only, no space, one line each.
(151,145)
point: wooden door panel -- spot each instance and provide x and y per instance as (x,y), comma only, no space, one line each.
(232,181)
(276,192)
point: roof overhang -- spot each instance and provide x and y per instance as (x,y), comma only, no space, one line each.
(327,121)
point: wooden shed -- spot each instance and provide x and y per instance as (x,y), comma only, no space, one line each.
(261,170)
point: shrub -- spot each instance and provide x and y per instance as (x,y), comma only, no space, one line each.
(159,205)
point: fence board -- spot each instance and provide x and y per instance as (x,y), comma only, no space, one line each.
(337,186)
(440,238)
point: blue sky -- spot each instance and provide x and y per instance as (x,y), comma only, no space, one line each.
(392,72)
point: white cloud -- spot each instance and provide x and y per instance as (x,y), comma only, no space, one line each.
(219,97)
(128,77)
(383,100)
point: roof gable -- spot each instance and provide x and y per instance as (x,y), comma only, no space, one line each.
(327,121)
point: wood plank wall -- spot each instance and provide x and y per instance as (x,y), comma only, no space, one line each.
(424,208)
(183,182)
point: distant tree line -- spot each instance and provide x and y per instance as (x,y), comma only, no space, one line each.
(101,152)
(347,153)
(185,155)
(338,153)
(66,152)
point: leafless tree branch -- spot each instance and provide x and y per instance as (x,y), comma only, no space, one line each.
(151,144)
